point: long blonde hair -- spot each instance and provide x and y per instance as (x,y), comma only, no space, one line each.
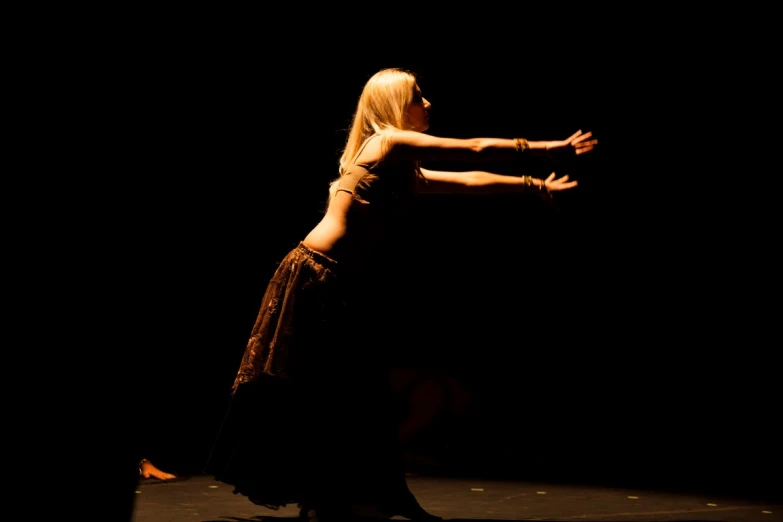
(382,107)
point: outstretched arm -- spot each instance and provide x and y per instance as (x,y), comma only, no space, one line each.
(482,182)
(411,145)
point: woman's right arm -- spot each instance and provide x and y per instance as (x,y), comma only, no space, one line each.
(412,145)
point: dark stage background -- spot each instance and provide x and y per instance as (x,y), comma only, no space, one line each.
(610,341)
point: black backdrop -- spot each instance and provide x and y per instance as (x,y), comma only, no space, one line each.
(609,341)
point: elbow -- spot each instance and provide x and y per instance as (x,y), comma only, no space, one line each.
(480,146)
(486,149)
(475,179)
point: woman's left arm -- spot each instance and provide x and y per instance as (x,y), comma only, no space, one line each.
(482,182)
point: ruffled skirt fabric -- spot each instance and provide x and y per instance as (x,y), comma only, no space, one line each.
(311,419)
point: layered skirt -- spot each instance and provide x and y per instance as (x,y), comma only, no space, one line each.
(311,419)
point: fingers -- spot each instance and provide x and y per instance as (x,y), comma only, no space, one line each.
(562,186)
(560,183)
(550,177)
(583,143)
(586,143)
(574,136)
(587,146)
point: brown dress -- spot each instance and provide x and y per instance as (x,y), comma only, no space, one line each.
(311,417)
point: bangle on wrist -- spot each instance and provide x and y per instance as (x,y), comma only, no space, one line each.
(521,145)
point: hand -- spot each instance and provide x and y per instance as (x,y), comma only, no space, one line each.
(575,145)
(550,184)
(555,185)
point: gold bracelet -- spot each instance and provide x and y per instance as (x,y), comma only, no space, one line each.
(521,144)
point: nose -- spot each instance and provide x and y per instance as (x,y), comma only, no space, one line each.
(427,103)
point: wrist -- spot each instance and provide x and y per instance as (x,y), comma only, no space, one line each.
(533,184)
(540,148)
(521,145)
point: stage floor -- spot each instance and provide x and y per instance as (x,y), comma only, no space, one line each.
(201,499)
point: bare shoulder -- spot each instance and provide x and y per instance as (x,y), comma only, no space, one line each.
(409,137)
(407,145)
(398,144)
(372,151)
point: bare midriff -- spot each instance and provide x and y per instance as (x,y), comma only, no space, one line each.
(347,233)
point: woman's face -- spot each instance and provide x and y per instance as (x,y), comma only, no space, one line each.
(418,111)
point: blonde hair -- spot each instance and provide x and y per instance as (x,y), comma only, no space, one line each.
(382,107)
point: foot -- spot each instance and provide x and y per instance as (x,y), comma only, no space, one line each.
(148,470)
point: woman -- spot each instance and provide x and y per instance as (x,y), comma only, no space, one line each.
(310,419)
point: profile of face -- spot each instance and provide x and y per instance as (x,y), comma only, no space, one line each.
(418,110)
